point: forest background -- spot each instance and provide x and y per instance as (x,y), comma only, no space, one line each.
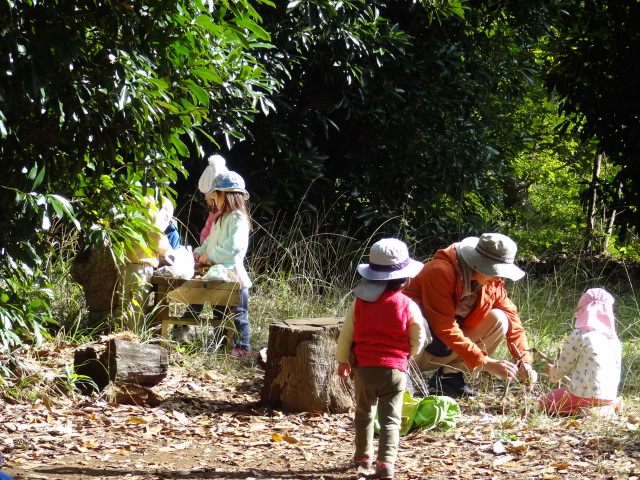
(428,120)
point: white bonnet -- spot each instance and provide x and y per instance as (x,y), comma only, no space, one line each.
(217,165)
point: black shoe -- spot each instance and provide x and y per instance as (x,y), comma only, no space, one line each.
(451,385)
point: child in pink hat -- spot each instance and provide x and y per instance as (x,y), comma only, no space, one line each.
(591,356)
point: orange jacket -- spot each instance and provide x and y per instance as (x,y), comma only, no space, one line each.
(437,290)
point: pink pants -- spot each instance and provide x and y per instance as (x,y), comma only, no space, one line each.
(561,401)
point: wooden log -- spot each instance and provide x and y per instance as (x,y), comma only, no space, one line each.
(134,395)
(89,361)
(136,363)
(121,362)
(300,371)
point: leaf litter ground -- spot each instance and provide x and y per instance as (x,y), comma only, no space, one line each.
(212,425)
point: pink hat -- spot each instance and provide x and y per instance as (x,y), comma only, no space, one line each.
(595,312)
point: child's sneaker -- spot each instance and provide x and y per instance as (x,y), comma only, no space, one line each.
(384,470)
(363,462)
(241,354)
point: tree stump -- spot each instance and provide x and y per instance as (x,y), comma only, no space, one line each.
(300,371)
(95,271)
(121,362)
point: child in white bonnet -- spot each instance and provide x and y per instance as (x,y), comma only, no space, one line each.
(216,166)
(591,356)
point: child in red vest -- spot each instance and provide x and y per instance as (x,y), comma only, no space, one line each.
(383,328)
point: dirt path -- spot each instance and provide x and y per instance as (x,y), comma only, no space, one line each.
(212,426)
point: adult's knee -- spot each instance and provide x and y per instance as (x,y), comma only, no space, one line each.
(438,348)
(499,320)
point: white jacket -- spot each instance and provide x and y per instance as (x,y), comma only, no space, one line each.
(593,362)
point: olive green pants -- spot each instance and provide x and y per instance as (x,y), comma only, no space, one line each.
(382,388)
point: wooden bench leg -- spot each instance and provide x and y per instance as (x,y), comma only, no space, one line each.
(161,310)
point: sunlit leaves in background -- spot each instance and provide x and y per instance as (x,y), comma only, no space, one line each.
(100,103)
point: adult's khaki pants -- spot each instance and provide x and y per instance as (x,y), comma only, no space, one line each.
(487,335)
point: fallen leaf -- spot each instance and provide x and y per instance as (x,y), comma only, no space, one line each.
(499,448)
(516,446)
(286,437)
(501,460)
(181,417)
(181,446)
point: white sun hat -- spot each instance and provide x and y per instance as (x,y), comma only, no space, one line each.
(389,259)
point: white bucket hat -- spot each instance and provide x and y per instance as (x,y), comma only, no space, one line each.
(388,260)
(492,254)
(217,165)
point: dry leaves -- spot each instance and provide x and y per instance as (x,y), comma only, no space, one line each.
(212,425)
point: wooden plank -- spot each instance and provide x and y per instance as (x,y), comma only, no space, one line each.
(195,292)
(203,295)
(174,283)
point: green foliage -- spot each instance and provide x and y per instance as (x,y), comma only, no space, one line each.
(25,298)
(351,120)
(25,390)
(543,204)
(392,120)
(74,382)
(31,388)
(596,73)
(99,104)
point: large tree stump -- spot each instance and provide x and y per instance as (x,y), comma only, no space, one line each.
(95,271)
(300,372)
(121,362)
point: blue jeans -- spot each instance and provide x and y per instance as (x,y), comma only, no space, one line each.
(241,321)
(173,236)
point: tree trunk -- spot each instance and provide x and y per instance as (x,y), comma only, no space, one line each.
(95,271)
(300,372)
(612,217)
(593,199)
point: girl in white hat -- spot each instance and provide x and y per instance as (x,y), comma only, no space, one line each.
(227,245)
(216,166)
(382,329)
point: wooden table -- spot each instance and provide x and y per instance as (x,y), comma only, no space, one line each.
(193,292)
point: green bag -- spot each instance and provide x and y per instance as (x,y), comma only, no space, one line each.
(428,412)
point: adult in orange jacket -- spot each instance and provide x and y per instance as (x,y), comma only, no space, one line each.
(462,296)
